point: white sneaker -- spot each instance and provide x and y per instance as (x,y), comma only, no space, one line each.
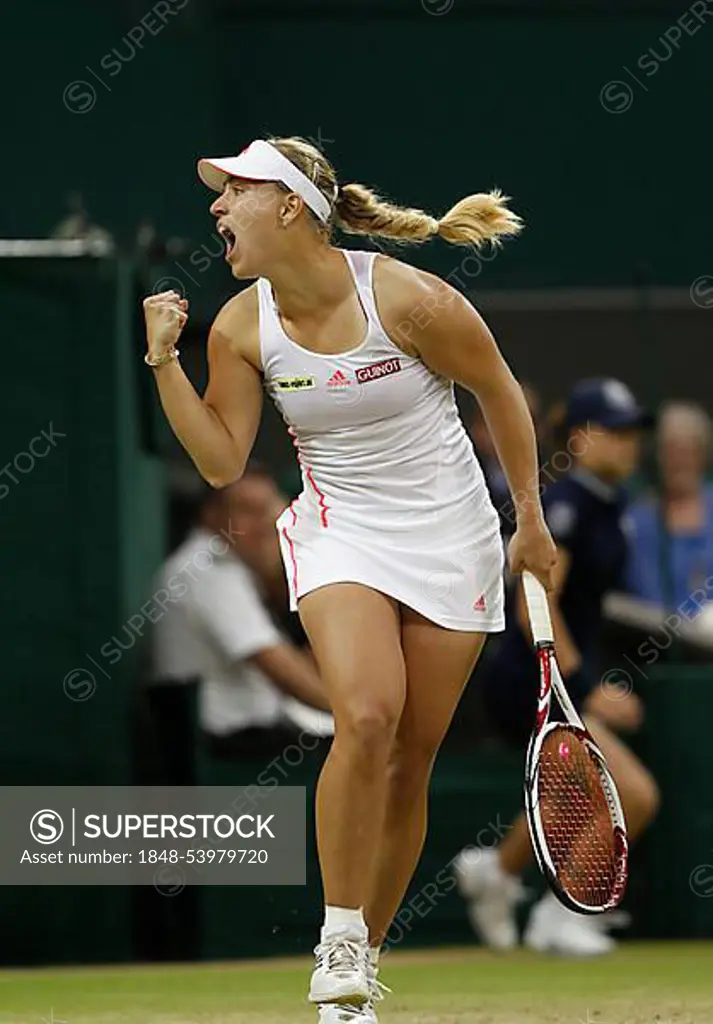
(341,974)
(552,928)
(612,920)
(346,1013)
(377,989)
(491,896)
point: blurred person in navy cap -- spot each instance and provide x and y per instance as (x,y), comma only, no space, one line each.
(603,424)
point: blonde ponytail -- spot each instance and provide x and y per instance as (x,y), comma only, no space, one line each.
(477,219)
(483,217)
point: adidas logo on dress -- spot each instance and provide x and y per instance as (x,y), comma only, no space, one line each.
(339,380)
(479,605)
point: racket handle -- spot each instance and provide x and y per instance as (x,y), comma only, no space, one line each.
(537,609)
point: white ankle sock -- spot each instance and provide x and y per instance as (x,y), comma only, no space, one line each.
(343,917)
(485,864)
(374,955)
(497,868)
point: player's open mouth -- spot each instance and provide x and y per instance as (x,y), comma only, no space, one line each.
(229,239)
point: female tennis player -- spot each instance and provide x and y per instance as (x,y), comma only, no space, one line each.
(392,550)
(583,510)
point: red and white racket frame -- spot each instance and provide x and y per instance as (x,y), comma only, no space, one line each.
(551,679)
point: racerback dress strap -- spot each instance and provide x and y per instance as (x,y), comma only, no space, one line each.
(271,333)
(361,265)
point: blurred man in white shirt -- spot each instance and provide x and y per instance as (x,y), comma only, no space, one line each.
(257,688)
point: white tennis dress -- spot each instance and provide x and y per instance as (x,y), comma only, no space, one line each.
(393,495)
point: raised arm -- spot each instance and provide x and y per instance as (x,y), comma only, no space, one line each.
(294,672)
(428,318)
(217,430)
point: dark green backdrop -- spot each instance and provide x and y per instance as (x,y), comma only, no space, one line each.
(82,529)
(425,107)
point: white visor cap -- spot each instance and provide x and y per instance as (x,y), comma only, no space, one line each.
(262,162)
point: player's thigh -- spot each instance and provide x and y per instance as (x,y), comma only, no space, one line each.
(355,636)
(631,776)
(439,663)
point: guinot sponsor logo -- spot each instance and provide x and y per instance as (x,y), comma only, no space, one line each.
(375,371)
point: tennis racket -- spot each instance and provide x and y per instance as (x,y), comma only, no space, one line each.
(573,810)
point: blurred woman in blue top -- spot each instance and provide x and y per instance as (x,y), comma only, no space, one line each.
(671,534)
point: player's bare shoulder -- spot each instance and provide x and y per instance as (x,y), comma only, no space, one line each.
(408,300)
(236,328)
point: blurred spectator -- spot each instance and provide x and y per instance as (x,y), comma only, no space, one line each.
(77,224)
(583,508)
(671,534)
(257,688)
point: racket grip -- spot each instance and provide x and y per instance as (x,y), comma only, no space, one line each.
(538,609)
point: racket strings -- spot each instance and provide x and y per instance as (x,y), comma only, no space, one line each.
(576,818)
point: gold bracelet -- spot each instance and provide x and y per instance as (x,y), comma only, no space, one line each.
(168,357)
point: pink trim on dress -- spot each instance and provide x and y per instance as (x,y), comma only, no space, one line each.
(324,507)
(291,547)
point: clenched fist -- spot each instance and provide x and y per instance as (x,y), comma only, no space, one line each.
(166,315)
